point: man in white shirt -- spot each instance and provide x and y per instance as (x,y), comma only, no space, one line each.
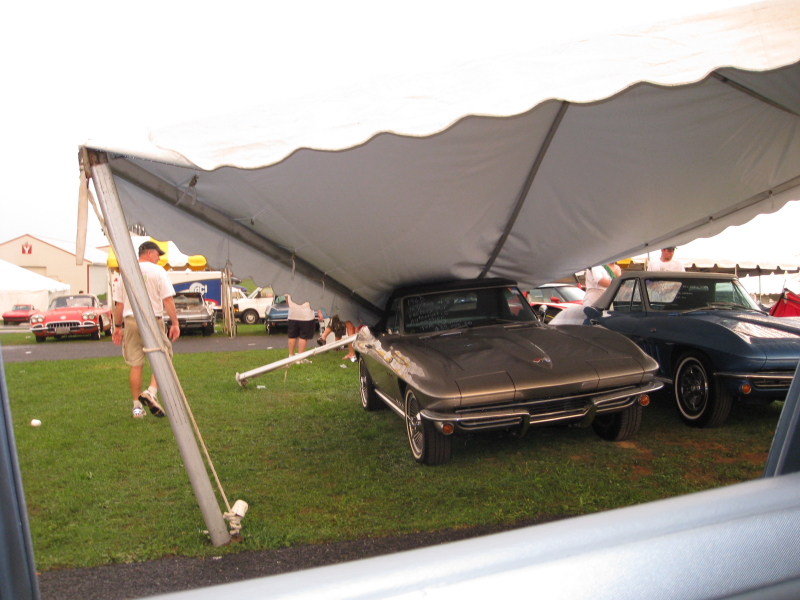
(667,262)
(597,279)
(126,331)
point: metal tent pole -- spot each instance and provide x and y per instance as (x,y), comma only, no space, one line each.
(168,383)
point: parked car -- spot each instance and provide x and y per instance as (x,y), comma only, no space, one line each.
(278,316)
(20,313)
(465,356)
(253,309)
(78,314)
(712,342)
(194,313)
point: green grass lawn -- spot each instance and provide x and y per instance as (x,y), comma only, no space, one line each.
(24,336)
(104,488)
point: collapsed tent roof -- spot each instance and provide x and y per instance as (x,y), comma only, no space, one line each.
(531,166)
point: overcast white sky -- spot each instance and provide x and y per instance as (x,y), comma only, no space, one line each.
(73,71)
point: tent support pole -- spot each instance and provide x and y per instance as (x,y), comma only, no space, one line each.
(753,93)
(523,194)
(168,383)
(170,194)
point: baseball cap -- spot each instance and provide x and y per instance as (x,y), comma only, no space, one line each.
(148,245)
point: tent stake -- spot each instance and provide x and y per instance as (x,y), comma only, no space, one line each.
(160,362)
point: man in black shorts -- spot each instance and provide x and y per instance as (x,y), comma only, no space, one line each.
(302,323)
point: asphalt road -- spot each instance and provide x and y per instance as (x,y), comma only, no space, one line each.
(75,348)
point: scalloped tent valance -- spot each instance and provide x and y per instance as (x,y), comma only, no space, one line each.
(531,166)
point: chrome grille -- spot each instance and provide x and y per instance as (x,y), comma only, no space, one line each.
(63,325)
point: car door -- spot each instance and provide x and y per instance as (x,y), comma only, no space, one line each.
(626,313)
(384,378)
(637,312)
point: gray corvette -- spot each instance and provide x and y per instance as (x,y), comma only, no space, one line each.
(467,356)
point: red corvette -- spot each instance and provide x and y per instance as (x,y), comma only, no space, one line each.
(80,314)
(21,313)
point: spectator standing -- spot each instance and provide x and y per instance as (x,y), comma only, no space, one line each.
(340,329)
(126,332)
(598,279)
(302,323)
(666,262)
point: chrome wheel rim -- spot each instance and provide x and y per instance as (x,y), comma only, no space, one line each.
(364,378)
(416,436)
(693,388)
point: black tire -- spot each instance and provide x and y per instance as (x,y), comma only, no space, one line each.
(429,446)
(40,339)
(106,331)
(96,334)
(619,426)
(250,317)
(208,329)
(700,401)
(369,398)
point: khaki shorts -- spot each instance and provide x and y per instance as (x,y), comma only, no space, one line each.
(133,346)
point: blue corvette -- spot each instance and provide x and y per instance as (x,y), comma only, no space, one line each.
(712,343)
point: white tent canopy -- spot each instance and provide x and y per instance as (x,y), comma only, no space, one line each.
(531,166)
(21,286)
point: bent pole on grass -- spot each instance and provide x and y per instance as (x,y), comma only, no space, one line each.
(168,384)
(244,378)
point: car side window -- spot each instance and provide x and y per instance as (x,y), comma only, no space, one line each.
(536,295)
(393,320)
(628,297)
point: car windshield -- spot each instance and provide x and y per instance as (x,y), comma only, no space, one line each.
(697,294)
(72,301)
(22,307)
(186,301)
(441,311)
(569,293)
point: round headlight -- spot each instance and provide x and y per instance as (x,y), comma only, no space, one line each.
(90,315)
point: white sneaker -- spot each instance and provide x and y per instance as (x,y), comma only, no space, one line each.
(139,413)
(150,401)
(305,361)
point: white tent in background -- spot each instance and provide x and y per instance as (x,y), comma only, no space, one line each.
(531,166)
(20,286)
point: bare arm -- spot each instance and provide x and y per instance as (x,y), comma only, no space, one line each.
(174,328)
(117,335)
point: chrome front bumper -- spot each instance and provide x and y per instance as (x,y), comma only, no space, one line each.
(581,408)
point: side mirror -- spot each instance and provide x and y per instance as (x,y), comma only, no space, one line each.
(556,300)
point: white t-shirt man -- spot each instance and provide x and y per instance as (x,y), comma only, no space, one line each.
(666,262)
(158,287)
(597,281)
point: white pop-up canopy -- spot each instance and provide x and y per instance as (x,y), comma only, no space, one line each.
(21,286)
(530,166)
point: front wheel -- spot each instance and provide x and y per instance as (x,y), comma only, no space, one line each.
(369,399)
(40,338)
(429,446)
(208,329)
(619,426)
(701,401)
(250,317)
